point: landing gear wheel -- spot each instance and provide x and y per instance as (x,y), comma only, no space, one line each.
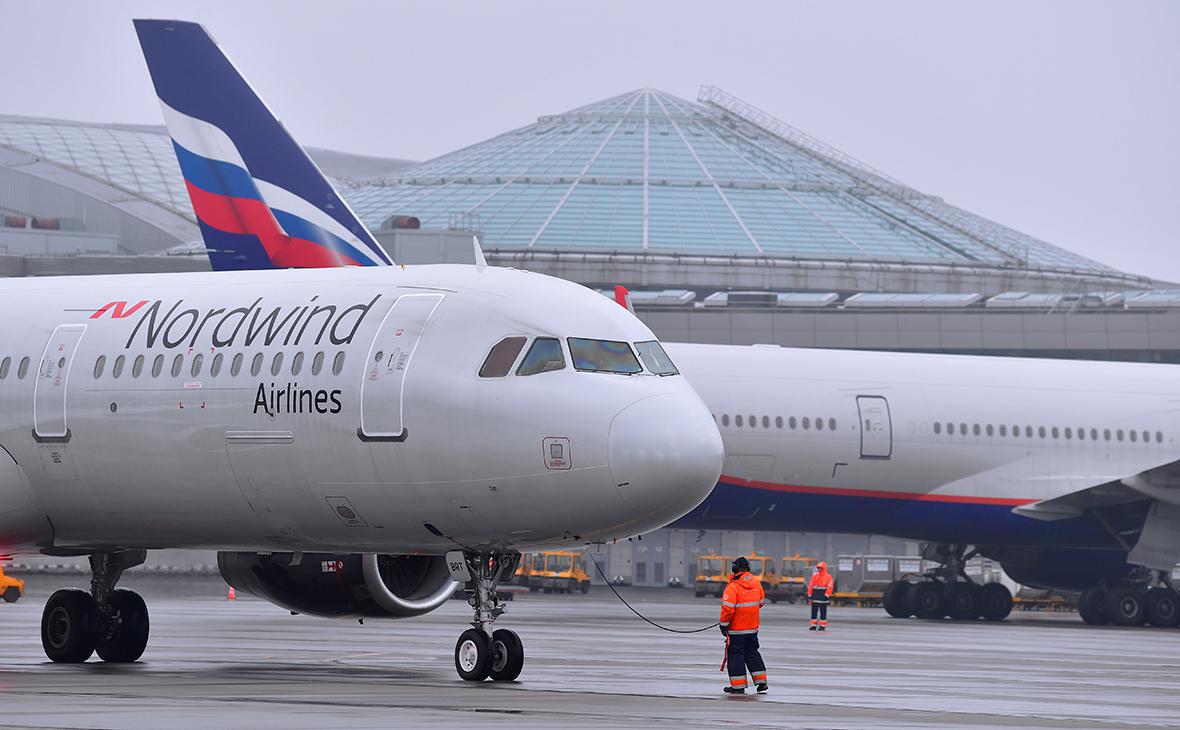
(962,601)
(926,600)
(1092,606)
(995,602)
(67,626)
(1163,607)
(1126,606)
(507,656)
(896,599)
(127,634)
(473,655)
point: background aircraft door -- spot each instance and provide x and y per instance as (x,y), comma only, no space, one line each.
(876,429)
(53,377)
(383,389)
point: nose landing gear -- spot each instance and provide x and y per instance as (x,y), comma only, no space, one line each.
(482,652)
(112,621)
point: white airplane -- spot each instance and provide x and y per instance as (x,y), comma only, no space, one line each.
(353,440)
(1066,472)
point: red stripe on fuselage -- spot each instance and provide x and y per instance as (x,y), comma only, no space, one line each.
(253,217)
(873,493)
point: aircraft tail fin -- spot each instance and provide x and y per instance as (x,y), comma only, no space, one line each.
(260,201)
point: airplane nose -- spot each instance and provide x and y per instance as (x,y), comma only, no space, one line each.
(665,456)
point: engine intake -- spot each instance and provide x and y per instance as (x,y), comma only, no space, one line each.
(342,586)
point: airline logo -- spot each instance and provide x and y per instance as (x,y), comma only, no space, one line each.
(226,197)
(259,199)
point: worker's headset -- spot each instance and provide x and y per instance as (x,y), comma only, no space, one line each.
(740,565)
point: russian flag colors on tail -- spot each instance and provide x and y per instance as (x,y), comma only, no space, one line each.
(259,199)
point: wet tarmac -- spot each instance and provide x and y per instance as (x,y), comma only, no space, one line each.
(217,664)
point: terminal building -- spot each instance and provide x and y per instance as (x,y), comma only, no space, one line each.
(727,225)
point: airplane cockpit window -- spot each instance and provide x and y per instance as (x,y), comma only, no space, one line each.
(499,360)
(656,360)
(545,355)
(603,356)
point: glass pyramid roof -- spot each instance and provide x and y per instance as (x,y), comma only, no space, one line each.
(648,172)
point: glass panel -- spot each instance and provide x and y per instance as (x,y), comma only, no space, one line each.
(603,356)
(654,357)
(499,361)
(545,355)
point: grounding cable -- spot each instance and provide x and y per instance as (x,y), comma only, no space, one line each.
(710,627)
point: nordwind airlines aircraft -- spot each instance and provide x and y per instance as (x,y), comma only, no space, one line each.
(353,440)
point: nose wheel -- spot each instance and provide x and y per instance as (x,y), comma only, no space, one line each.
(481,651)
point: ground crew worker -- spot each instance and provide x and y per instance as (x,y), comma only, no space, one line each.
(739,623)
(819,592)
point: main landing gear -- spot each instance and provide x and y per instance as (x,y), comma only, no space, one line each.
(482,652)
(1146,598)
(947,591)
(112,621)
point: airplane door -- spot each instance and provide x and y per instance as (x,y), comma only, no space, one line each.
(876,428)
(383,387)
(53,377)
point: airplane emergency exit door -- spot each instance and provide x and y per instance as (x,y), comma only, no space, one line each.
(53,377)
(876,427)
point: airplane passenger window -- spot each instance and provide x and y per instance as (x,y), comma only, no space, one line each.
(117,370)
(990,430)
(1134,435)
(1003,429)
(297,363)
(137,366)
(725,419)
(1159,437)
(157,366)
(276,365)
(1081,434)
(975,429)
(5,364)
(235,365)
(1068,432)
(256,364)
(1146,437)
(98,365)
(766,422)
(499,361)
(1055,432)
(177,365)
(831,424)
(544,356)
(778,421)
(338,363)
(198,361)
(1028,432)
(215,366)
(737,420)
(753,421)
(1106,434)
(1119,434)
(23,368)
(819,424)
(962,429)
(317,363)
(950,429)
(603,356)
(807,424)
(1041,431)
(792,422)
(654,357)
(937,428)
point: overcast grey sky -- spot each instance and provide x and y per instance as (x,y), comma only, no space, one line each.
(1059,119)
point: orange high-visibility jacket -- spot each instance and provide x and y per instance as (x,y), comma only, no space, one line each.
(740,603)
(822,579)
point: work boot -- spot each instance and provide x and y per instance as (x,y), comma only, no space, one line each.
(823,628)
(733,690)
(813,628)
(763,689)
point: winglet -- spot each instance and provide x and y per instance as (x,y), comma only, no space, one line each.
(623,298)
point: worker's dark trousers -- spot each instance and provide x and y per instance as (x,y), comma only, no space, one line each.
(819,612)
(743,655)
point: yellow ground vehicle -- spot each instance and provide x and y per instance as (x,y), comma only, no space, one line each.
(564,572)
(528,573)
(793,578)
(712,575)
(764,569)
(11,589)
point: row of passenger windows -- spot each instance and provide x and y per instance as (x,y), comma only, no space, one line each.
(791,422)
(1081,434)
(196,365)
(599,356)
(21,370)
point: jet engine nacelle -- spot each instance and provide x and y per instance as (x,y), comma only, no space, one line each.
(1063,569)
(342,586)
